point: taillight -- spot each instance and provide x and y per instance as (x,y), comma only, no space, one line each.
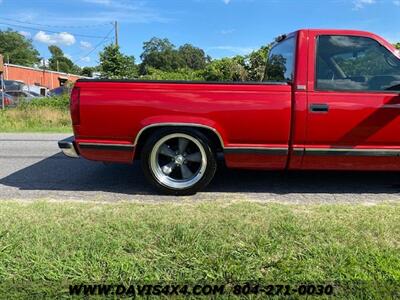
(74,106)
(7,101)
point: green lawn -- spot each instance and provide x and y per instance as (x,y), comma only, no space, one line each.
(35,119)
(46,245)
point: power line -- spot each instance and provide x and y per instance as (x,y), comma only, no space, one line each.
(96,46)
(58,26)
(78,53)
(52,31)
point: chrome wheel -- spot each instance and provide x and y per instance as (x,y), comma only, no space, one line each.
(178,161)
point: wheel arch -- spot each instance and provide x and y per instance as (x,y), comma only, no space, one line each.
(210,132)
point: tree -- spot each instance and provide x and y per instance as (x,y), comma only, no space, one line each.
(276,68)
(17,49)
(226,69)
(160,54)
(193,57)
(58,62)
(88,71)
(397,46)
(115,65)
(256,62)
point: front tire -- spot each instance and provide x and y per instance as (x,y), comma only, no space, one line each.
(178,161)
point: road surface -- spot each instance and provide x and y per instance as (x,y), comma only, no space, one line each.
(32,167)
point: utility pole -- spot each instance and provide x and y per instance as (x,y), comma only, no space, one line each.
(116,32)
(3,106)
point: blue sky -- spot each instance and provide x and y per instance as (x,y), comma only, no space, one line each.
(221,27)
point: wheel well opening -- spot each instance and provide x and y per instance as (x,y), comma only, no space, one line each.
(210,134)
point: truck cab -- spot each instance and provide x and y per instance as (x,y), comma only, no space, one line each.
(346,118)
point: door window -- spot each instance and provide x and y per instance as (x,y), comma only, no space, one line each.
(348,63)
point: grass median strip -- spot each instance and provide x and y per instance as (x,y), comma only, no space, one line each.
(35,119)
(49,243)
(48,114)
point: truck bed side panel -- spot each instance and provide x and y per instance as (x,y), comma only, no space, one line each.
(248,117)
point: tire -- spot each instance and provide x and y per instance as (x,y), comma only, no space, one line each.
(178,161)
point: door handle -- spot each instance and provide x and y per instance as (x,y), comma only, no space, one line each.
(319,108)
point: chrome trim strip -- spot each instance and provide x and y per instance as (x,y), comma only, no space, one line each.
(104,144)
(178,124)
(350,152)
(256,150)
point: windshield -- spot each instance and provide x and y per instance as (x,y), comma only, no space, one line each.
(12,85)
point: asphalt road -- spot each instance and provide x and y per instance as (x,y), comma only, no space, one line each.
(32,167)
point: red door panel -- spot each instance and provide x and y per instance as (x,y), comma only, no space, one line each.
(352,122)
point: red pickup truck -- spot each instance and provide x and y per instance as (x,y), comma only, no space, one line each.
(330,100)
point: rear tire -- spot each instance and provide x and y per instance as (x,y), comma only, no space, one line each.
(178,161)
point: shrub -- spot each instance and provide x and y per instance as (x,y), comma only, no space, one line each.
(180,74)
(56,102)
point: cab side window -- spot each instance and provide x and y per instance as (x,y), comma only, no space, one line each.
(280,63)
(351,63)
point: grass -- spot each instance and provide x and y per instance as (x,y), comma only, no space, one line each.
(35,119)
(48,114)
(45,245)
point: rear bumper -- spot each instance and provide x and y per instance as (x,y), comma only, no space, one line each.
(68,147)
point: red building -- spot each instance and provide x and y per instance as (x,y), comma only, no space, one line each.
(38,77)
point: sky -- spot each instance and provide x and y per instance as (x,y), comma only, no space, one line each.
(81,28)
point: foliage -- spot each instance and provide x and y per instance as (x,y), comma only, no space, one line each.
(369,62)
(256,62)
(397,46)
(115,65)
(45,246)
(276,68)
(48,114)
(160,54)
(58,61)
(88,71)
(161,60)
(57,102)
(180,74)
(226,69)
(193,57)
(17,49)
(171,63)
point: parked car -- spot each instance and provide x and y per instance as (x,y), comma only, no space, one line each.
(37,91)
(61,90)
(34,94)
(330,101)
(13,85)
(23,94)
(9,101)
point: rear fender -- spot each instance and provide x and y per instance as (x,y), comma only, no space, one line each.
(168,121)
